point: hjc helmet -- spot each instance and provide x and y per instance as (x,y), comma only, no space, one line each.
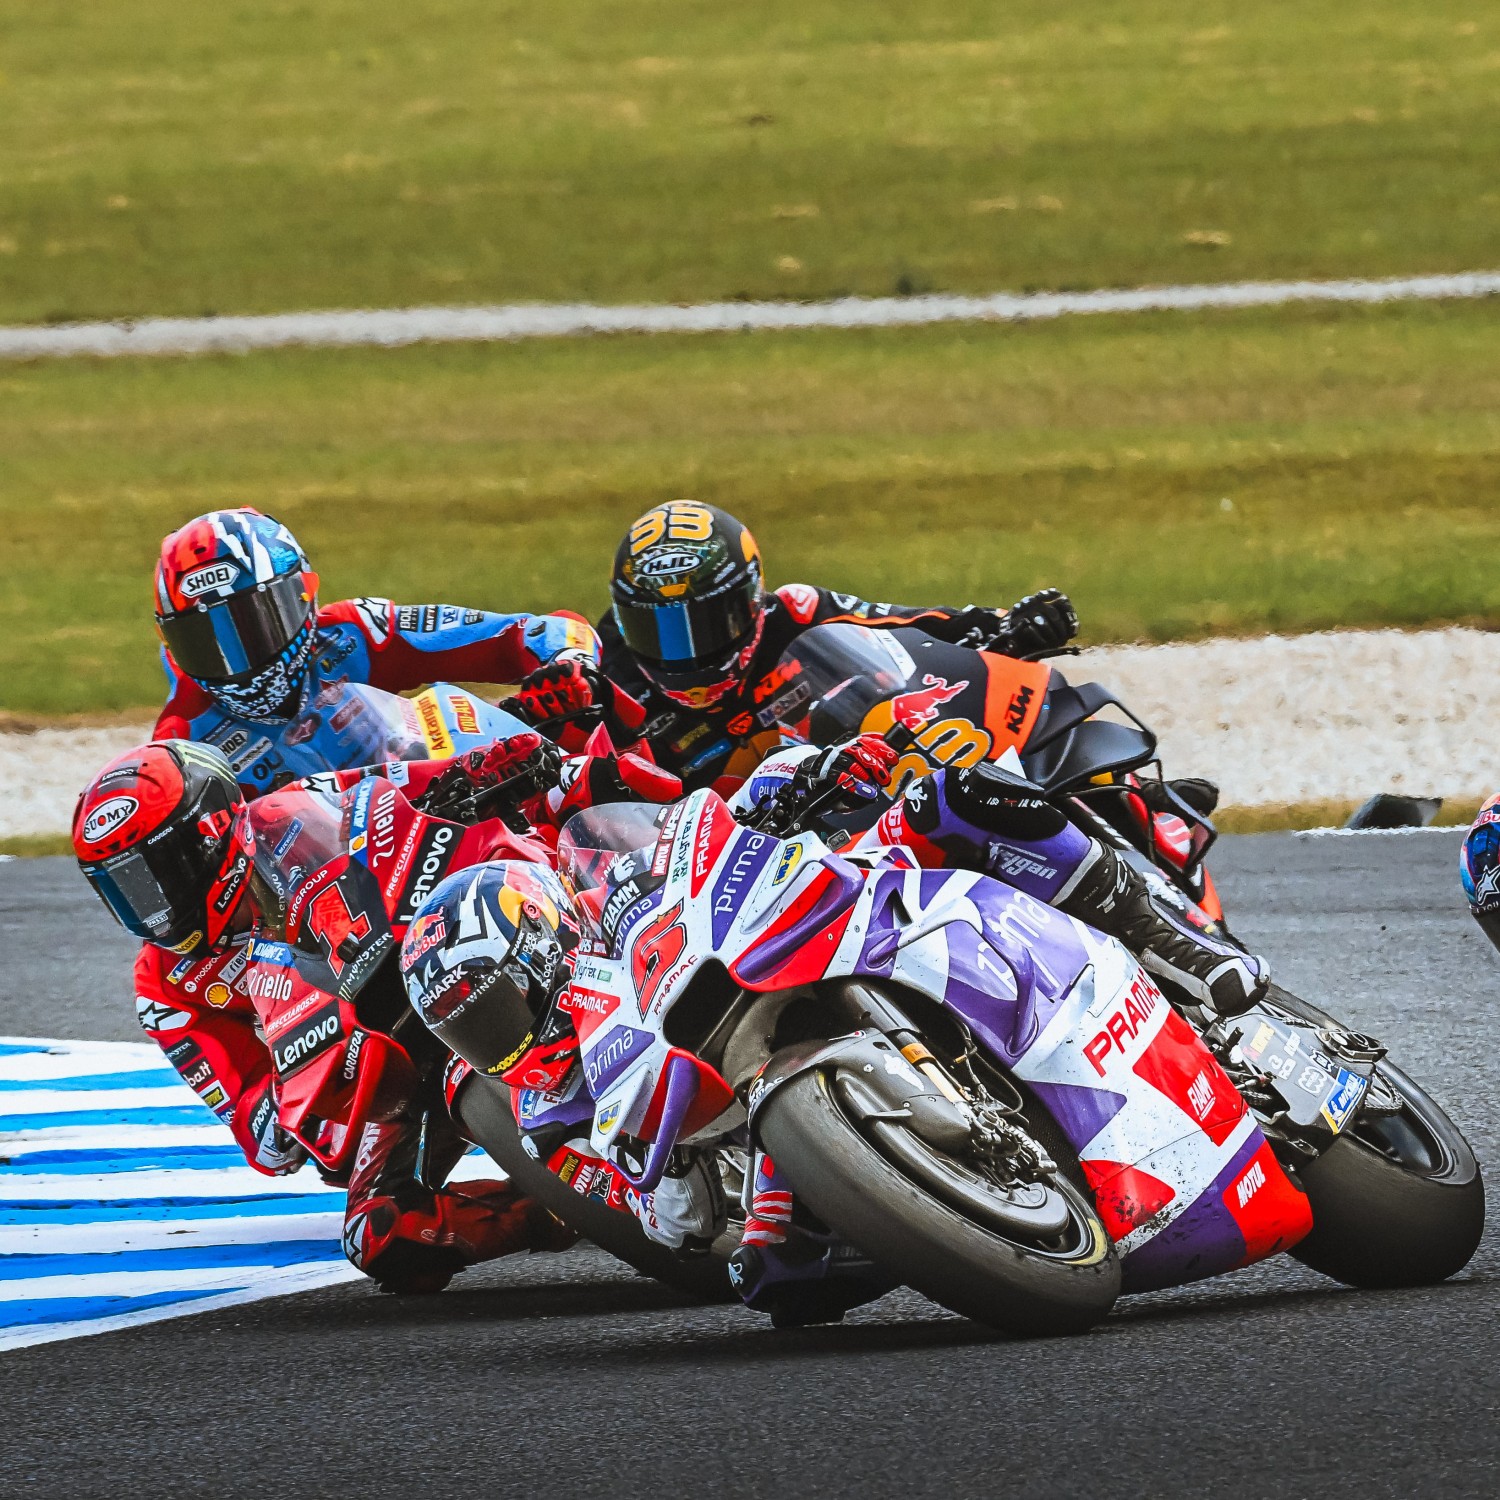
(156,835)
(689,599)
(483,959)
(236,606)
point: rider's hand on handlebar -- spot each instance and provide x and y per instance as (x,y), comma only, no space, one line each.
(859,769)
(1043,621)
(558,688)
(526,754)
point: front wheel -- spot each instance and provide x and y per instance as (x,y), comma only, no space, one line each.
(1398,1199)
(1031,1260)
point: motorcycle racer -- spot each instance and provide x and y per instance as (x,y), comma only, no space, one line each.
(1479,868)
(250,655)
(695,637)
(157,836)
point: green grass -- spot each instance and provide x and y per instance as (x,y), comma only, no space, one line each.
(1181,476)
(160,156)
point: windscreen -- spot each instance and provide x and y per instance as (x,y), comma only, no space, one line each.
(601,848)
(295,832)
(836,674)
(365,725)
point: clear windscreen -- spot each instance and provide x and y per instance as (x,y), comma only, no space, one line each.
(295,831)
(366,725)
(601,848)
(836,675)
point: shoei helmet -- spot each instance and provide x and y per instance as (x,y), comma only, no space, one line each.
(483,959)
(155,836)
(236,605)
(689,599)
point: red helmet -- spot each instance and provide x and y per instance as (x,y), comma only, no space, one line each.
(236,605)
(156,835)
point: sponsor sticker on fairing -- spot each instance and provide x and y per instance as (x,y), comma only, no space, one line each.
(1344,1099)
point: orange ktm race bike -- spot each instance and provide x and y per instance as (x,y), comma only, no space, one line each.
(1084,749)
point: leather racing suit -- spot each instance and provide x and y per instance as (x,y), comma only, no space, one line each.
(389,646)
(405,1235)
(730,737)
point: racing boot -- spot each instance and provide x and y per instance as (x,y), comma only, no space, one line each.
(413,1242)
(791,1266)
(1109,894)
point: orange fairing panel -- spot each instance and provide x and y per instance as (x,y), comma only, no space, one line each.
(1014,695)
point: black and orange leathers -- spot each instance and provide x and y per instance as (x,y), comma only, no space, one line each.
(730,738)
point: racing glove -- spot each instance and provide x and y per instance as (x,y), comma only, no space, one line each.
(859,769)
(1043,621)
(565,686)
(533,764)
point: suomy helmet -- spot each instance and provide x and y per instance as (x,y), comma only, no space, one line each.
(483,959)
(154,834)
(235,604)
(689,600)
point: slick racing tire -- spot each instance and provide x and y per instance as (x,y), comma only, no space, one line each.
(1061,1284)
(484,1114)
(1398,1199)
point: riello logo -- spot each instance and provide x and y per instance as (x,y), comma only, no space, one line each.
(107,817)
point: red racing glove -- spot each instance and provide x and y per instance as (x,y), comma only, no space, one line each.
(558,688)
(861,768)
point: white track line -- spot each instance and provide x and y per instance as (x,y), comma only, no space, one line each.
(416,325)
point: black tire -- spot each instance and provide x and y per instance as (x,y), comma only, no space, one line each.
(1398,1200)
(860,1194)
(485,1116)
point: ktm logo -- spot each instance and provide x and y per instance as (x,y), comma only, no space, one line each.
(1015,711)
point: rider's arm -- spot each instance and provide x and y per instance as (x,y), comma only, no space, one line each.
(411,645)
(1043,620)
(216,1050)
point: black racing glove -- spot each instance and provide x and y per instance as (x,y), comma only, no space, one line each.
(1043,621)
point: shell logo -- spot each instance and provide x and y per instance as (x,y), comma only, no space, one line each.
(218,994)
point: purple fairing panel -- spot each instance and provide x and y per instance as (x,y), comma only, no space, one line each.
(1006,984)
(771,952)
(1202,1241)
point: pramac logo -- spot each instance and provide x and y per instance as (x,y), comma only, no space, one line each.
(107,817)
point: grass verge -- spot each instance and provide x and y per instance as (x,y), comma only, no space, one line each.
(160,156)
(1244,472)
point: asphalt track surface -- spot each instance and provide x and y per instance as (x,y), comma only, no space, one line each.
(561,1376)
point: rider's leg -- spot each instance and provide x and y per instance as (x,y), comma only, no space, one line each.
(413,1238)
(789,1265)
(975,813)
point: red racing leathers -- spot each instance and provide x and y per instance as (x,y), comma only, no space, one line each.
(404,1234)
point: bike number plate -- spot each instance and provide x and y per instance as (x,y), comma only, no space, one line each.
(1316,1089)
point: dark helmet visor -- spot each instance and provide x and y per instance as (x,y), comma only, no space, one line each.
(158,889)
(687,635)
(234,638)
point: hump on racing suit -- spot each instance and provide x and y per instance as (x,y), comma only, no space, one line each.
(1479,868)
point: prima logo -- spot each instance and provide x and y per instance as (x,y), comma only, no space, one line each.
(107,817)
(213,579)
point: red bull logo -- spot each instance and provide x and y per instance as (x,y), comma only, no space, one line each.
(916,710)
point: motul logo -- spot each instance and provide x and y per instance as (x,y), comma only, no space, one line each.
(107,817)
(1251,1183)
(208,580)
(305,1044)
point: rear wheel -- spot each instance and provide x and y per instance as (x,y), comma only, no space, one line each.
(485,1116)
(1398,1199)
(1032,1259)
